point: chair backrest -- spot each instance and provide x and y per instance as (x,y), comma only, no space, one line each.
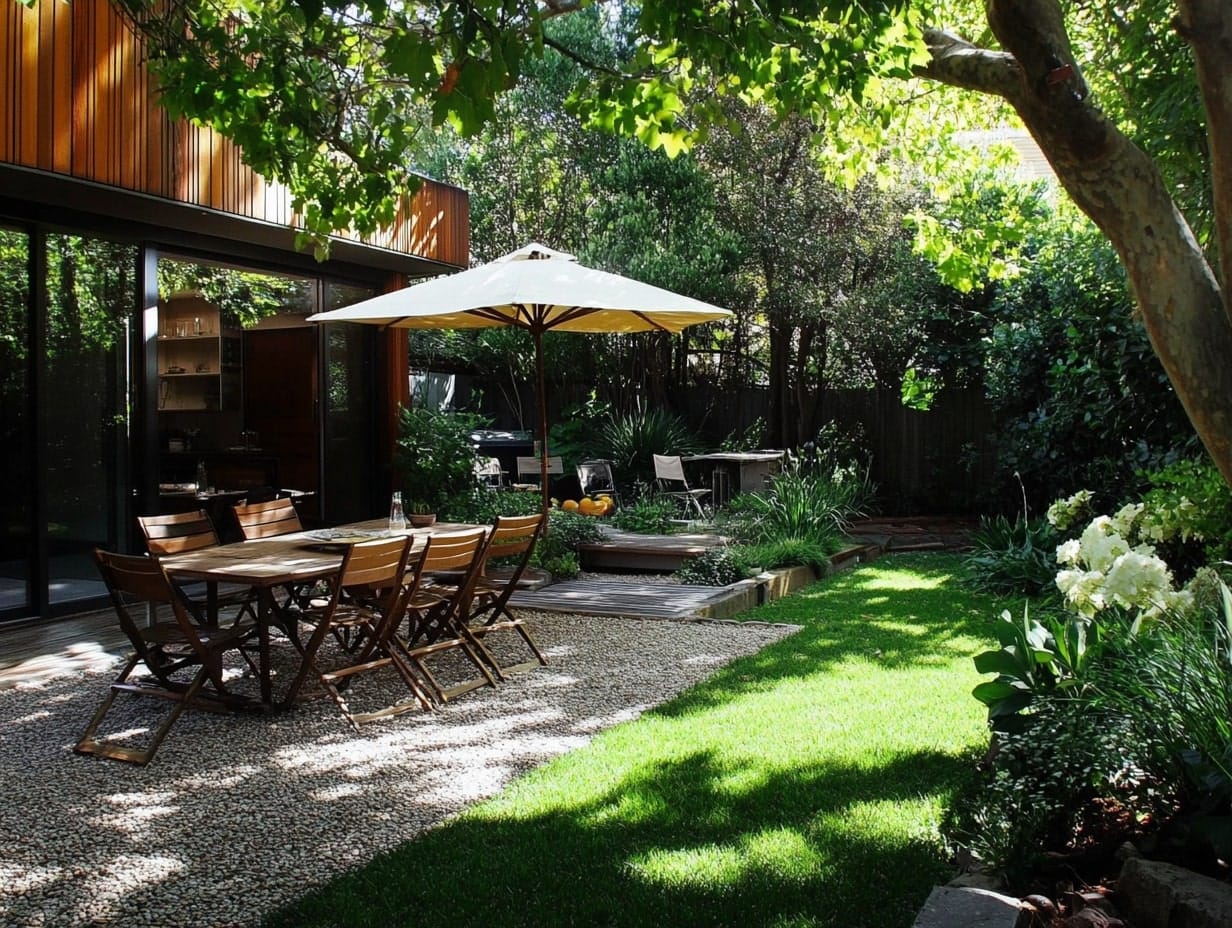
(514,535)
(455,552)
(462,556)
(529,467)
(264,520)
(177,532)
(376,564)
(134,580)
(669,467)
(596,477)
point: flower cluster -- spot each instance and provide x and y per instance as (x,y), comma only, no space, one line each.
(1106,569)
(1065,512)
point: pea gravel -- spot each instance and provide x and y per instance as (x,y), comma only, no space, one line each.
(240,814)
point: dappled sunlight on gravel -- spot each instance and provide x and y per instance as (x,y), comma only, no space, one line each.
(240,814)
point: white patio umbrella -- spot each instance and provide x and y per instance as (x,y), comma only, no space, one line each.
(537,289)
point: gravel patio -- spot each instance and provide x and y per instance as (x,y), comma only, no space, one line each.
(240,814)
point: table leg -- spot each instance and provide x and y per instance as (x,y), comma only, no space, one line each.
(265,609)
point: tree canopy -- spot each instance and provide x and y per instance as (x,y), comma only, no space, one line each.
(332,99)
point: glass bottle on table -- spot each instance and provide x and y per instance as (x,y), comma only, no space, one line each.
(397,518)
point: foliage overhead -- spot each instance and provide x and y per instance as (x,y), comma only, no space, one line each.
(332,98)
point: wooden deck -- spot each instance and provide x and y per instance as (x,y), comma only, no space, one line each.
(620,598)
(626,551)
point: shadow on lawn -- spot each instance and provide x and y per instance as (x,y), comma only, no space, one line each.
(671,844)
(704,839)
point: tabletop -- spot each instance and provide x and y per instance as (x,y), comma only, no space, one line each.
(737,457)
(282,559)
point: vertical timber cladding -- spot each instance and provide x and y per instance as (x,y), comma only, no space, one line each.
(77,100)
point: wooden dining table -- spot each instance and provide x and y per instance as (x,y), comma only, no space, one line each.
(265,564)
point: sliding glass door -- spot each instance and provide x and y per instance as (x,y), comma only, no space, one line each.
(91,301)
(67,309)
(16,424)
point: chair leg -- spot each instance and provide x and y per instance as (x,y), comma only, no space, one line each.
(509,622)
(89,744)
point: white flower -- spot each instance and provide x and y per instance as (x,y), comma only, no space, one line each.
(1123,521)
(1083,589)
(1069,552)
(1137,580)
(1063,512)
(1101,545)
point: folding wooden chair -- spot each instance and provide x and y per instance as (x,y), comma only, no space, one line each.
(264,520)
(512,537)
(367,595)
(180,532)
(183,658)
(669,472)
(438,613)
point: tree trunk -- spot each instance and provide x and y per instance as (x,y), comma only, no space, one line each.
(1121,189)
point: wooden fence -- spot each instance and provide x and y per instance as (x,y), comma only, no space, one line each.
(924,463)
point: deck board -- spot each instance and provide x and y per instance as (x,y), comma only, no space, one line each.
(619,598)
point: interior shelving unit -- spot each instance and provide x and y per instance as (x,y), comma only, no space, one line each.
(200,363)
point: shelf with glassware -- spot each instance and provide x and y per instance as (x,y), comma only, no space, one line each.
(200,363)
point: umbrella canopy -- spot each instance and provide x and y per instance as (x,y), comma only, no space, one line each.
(538,289)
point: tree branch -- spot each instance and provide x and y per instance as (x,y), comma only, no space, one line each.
(1207,26)
(581,59)
(958,63)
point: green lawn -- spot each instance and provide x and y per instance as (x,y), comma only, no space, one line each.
(797,787)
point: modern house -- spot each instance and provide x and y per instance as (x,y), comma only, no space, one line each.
(120,371)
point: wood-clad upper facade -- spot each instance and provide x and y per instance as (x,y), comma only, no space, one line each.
(111,215)
(77,101)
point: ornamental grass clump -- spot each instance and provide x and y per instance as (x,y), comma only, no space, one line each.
(801,504)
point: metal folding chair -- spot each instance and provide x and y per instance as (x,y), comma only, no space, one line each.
(597,480)
(489,472)
(669,472)
(530,475)
(183,659)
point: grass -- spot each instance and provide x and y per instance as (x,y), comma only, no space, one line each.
(800,786)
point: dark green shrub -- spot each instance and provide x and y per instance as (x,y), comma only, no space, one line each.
(630,441)
(789,552)
(1173,685)
(557,548)
(435,458)
(1014,558)
(799,504)
(715,567)
(484,505)
(1069,776)
(1191,500)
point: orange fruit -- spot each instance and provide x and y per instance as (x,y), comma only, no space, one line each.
(570,505)
(587,506)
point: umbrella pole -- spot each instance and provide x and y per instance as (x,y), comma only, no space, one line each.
(541,388)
